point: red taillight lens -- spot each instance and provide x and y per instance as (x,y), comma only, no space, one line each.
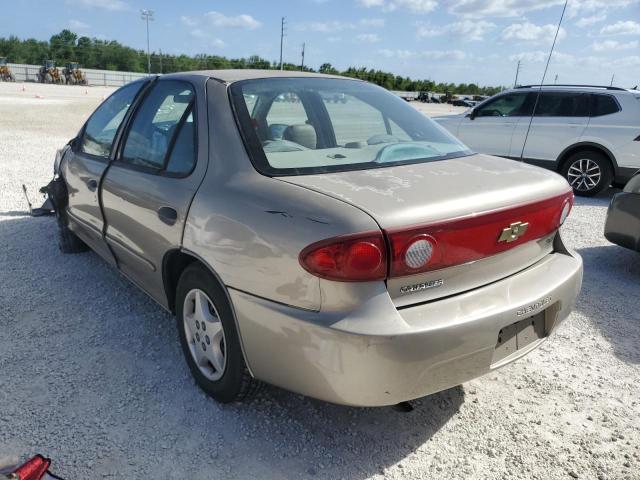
(34,469)
(354,258)
(466,239)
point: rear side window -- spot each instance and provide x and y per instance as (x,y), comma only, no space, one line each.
(156,123)
(603,105)
(559,104)
(101,128)
(183,155)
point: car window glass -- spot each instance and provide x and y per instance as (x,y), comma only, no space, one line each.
(508,105)
(104,123)
(183,154)
(371,126)
(155,123)
(398,132)
(353,119)
(603,105)
(559,104)
(286,111)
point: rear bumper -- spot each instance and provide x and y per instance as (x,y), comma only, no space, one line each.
(378,355)
(622,226)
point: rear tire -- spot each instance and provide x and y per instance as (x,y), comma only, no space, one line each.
(588,173)
(230,381)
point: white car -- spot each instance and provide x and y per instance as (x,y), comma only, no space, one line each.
(591,135)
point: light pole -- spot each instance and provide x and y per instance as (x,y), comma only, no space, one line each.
(147,15)
(515,83)
(282,24)
(302,62)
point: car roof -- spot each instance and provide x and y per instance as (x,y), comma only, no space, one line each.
(231,75)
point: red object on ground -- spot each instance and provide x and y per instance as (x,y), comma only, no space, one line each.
(33,469)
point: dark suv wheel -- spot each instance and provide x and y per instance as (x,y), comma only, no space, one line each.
(588,172)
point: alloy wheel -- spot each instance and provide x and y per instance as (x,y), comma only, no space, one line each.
(584,174)
(204,334)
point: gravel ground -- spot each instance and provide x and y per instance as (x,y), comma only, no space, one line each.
(91,373)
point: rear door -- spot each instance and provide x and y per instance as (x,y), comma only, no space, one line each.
(490,130)
(148,188)
(560,120)
(86,163)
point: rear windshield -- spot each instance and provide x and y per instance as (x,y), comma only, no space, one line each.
(296,126)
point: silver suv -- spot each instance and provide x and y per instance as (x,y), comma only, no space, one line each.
(591,135)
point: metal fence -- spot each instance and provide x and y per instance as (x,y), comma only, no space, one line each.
(105,78)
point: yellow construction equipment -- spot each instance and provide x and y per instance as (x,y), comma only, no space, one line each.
(5,71)
(48,73)
(73,75)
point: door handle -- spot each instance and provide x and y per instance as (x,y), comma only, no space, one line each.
(92,184)
(167,215)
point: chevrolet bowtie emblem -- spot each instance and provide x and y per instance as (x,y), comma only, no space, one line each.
(513,232)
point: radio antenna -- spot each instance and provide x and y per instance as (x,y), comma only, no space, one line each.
(535,105)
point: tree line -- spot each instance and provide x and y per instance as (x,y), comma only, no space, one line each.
(95,53)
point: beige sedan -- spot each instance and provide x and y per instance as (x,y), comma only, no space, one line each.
(350,250)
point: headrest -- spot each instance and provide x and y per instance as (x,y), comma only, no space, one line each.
(302,134)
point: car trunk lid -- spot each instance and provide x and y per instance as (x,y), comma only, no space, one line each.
(467,203)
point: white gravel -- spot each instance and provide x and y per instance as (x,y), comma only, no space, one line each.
(91,373)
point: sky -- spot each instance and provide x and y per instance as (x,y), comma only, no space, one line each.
(470,41)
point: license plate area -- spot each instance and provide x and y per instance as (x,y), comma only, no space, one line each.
(518,335)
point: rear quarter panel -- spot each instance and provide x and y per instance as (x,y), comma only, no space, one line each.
(250,228)
(617,132)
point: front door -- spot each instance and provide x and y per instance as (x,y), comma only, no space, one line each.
(88,159)
(489,130)
(149,186)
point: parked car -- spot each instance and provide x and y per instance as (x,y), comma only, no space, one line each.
(623,217)
(591,135)
(462,103)
(363,257)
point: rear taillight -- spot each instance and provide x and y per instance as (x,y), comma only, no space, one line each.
(365,257)
(353,258)
(463,240)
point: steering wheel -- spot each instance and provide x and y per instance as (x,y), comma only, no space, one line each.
(282,146)
(490,113)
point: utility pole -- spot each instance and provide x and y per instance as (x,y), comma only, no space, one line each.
(282,24)
(612,77)
(147,16)
(160,61)
(302,63)
(555,80)
(515,83)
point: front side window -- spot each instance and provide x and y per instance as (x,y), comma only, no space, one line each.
(509,105)
(163,112)
(103,125)
(296,126)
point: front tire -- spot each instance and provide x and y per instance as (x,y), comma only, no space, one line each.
(588,173)
(209,337)
(68,242)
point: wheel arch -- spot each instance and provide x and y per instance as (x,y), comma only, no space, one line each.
(586,146)
(175,261)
